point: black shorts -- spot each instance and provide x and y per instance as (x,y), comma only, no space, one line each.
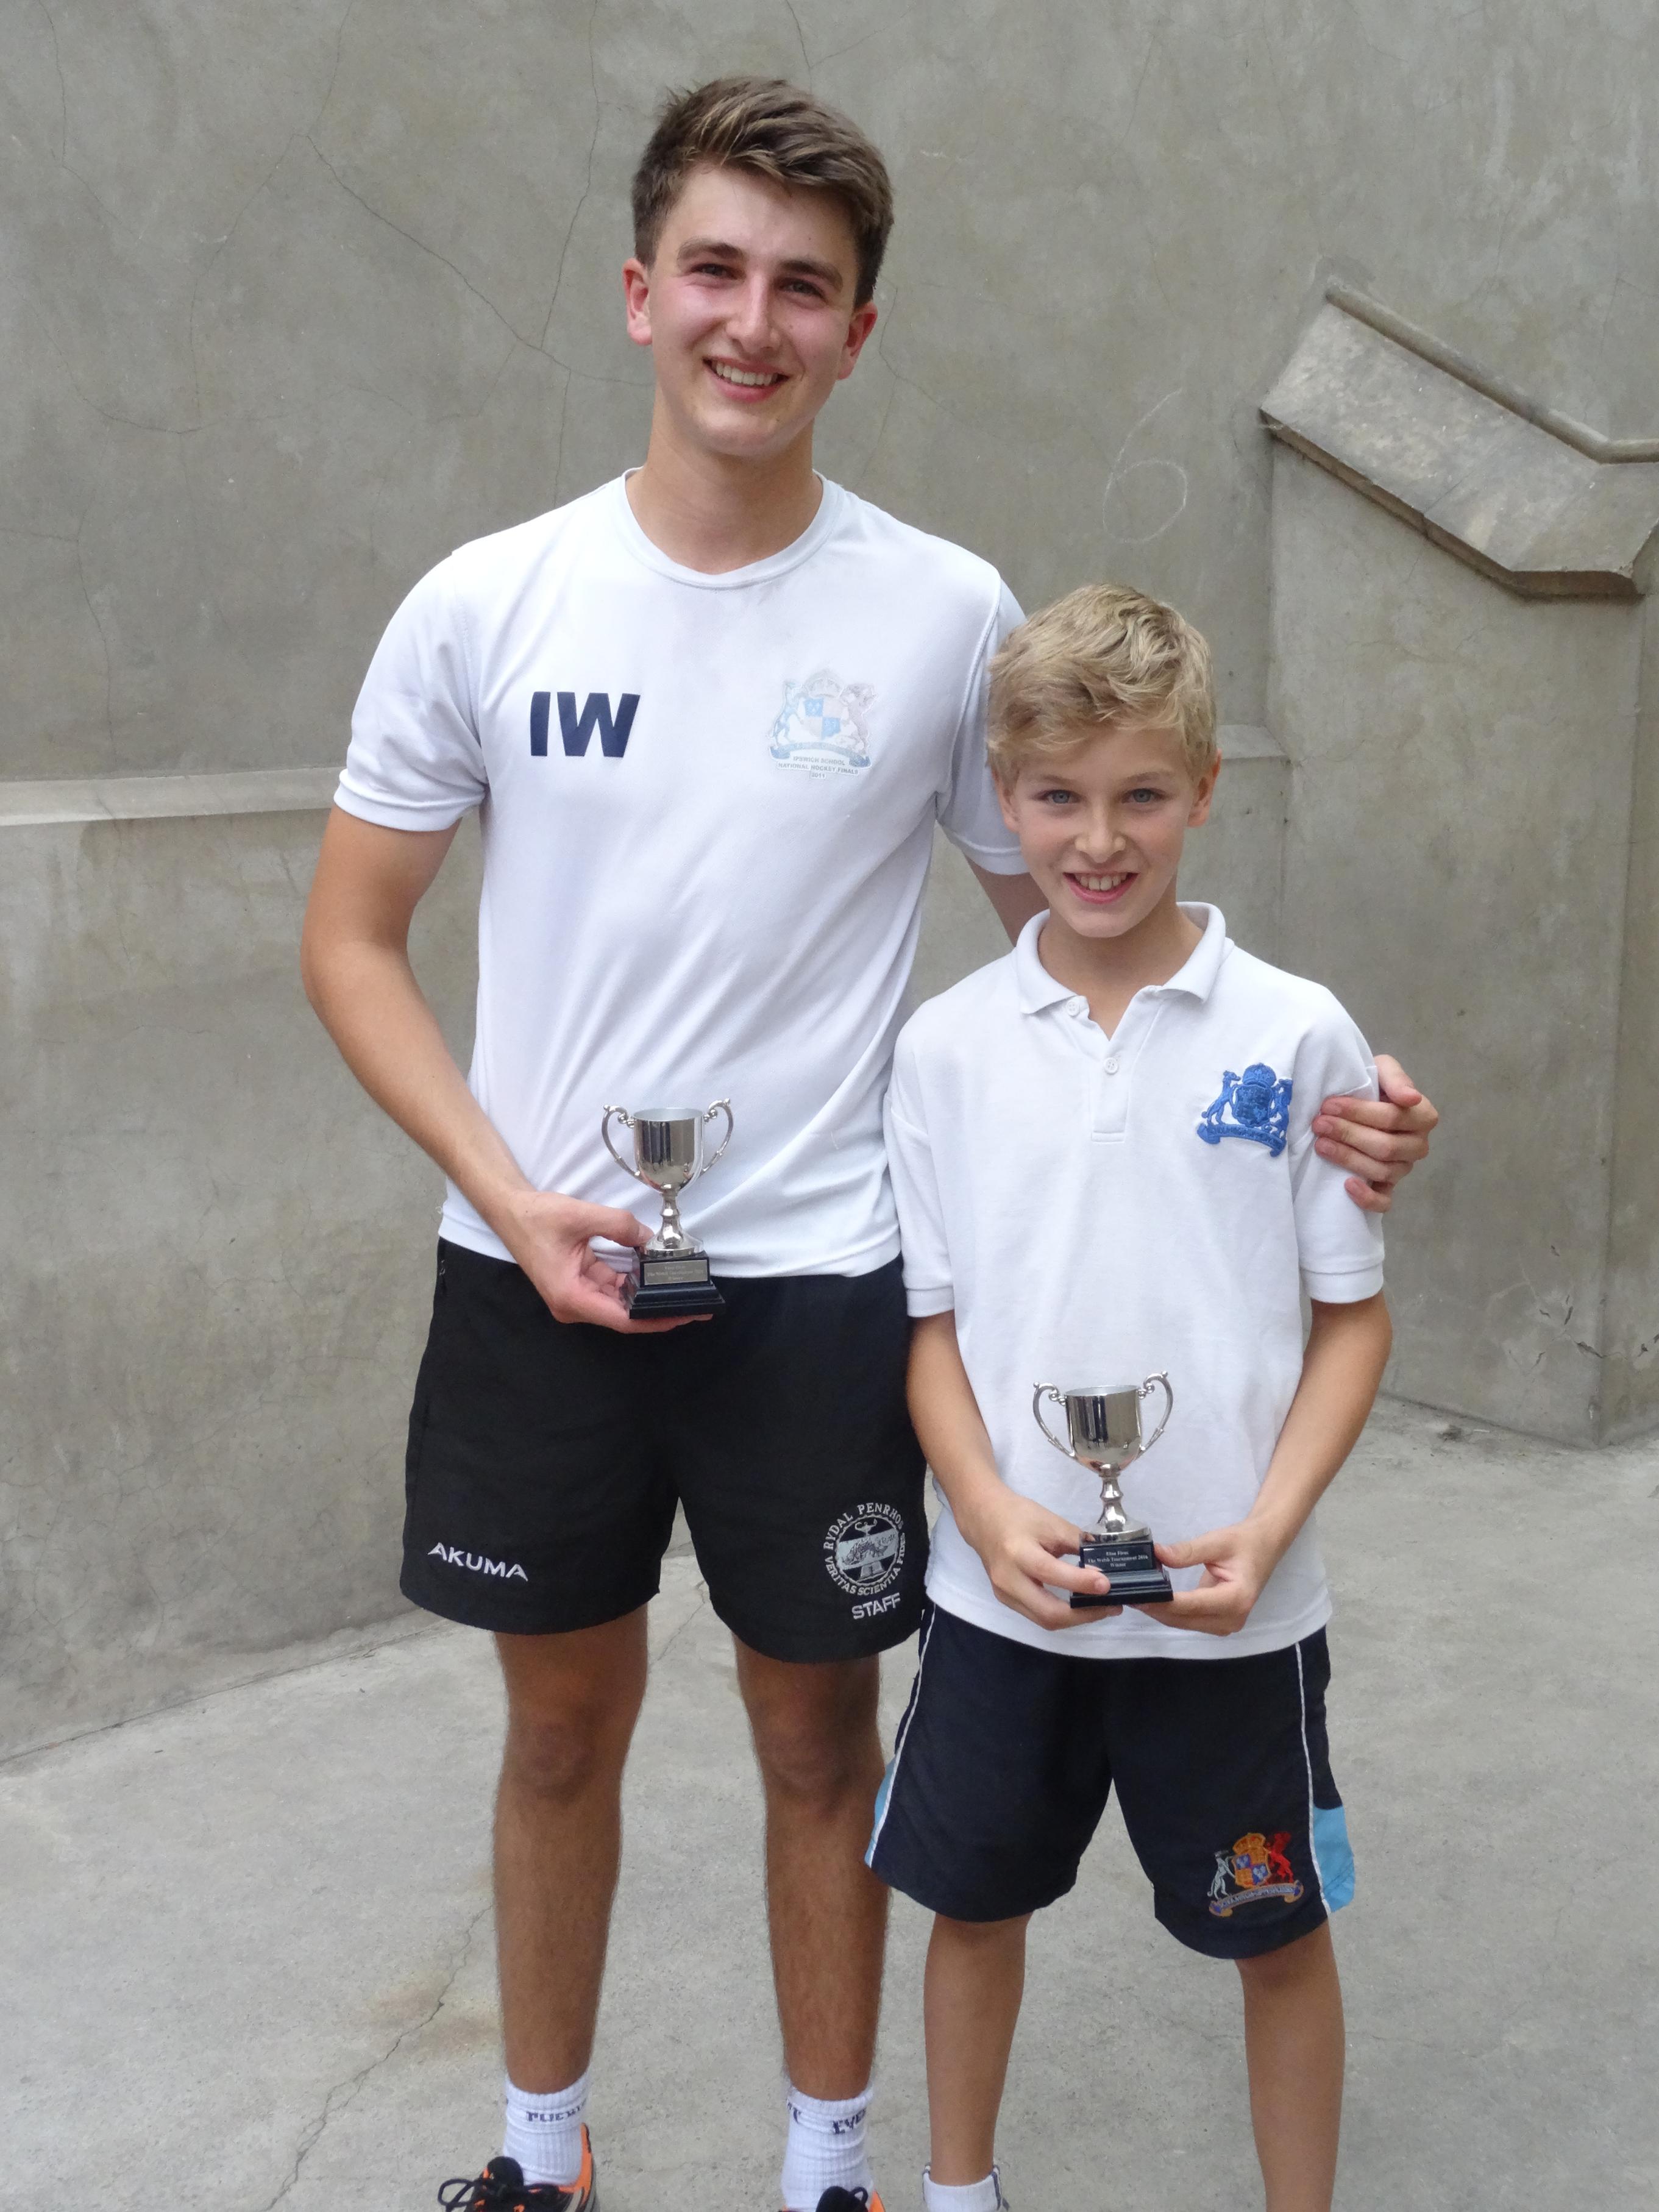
(1007,1755)
(545,1458)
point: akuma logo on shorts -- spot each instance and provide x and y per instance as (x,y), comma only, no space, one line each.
(864,1550)
(476,1563)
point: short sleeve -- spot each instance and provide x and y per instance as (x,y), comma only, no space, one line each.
(927,1285)
(968,811)
(415,762)
(1339,1245)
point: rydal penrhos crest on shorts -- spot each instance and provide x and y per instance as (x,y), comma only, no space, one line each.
(1256,1867)
(1257,1105)
(822,726)
(864,1550)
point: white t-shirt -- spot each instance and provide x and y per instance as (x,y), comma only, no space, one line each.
(1095,1209)
(708,806)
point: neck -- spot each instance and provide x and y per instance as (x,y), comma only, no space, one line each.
(1108,971)
(714,513)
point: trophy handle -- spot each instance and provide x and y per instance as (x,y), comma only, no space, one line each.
(1048,1390)
(1163,1381)
(719,1106)
(604,1131)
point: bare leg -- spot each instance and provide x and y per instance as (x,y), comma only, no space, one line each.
(1293,2040)
(572,1701)
(819,1752)
(976,1977)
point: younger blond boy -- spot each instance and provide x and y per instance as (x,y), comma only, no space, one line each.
(1103,1151)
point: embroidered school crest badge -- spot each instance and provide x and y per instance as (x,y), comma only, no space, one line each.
(1257,1105)
(822,726)
(1255,1868)
(864,1550)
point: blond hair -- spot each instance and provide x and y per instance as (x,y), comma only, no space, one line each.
(772,128)
(1103,656)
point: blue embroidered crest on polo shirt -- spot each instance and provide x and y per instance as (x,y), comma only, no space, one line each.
(1257,1105)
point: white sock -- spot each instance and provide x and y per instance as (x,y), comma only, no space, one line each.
(545,2134)
(825,2149)
(966,2196)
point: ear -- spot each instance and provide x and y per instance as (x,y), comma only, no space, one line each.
(636,296)
(1204,795)
(862,322)
(1006,801)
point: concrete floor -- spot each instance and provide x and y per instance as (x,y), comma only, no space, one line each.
(246,1945)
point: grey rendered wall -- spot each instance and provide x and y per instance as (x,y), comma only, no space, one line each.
(1461,765)
(215,1262)
(300,296)
(1630,1373)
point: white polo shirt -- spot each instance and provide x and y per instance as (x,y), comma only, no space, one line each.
(1097,1208)
(707,804)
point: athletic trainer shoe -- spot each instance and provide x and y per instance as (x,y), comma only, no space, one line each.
(502,2187)
(848,2200)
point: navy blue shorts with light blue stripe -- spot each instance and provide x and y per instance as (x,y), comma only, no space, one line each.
(1007,1755)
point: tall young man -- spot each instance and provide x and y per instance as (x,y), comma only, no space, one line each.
(711,712)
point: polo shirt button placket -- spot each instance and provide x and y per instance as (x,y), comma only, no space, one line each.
(1112,1086)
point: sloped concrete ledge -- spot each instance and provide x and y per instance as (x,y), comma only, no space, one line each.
(167,798)
(1493,479)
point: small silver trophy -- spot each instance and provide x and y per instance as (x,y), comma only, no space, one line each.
(1103,1424)
(671,1277)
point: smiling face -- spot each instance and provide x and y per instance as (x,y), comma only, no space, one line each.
(1101,826)
(747,306)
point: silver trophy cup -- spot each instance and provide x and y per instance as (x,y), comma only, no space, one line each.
(672,1274)
(1104,1432)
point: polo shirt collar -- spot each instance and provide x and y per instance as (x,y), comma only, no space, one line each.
(1197,976)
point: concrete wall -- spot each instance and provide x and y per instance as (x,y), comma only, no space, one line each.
(299,297)
(1456,870)
(215,1264)
(1631,1333)
(1470,725)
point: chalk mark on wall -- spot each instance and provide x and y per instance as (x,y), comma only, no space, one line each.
(1119,475)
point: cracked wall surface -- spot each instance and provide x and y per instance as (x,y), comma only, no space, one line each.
(215,1263)
(300,298)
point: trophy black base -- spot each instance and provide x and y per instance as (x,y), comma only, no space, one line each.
(673,1287)
(1131,1565)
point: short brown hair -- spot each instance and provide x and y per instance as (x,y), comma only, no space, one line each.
(1103,655)
(773,129)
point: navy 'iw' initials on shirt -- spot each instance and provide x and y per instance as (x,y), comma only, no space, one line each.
(575,729)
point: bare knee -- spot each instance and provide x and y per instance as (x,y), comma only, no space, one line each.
(816,1760)
(572,1701)
(816,1738)
(560,1759)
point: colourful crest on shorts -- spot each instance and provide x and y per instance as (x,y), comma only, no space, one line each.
(1257,1866)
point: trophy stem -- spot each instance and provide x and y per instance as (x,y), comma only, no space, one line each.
(1114,1514)
(672,1236)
